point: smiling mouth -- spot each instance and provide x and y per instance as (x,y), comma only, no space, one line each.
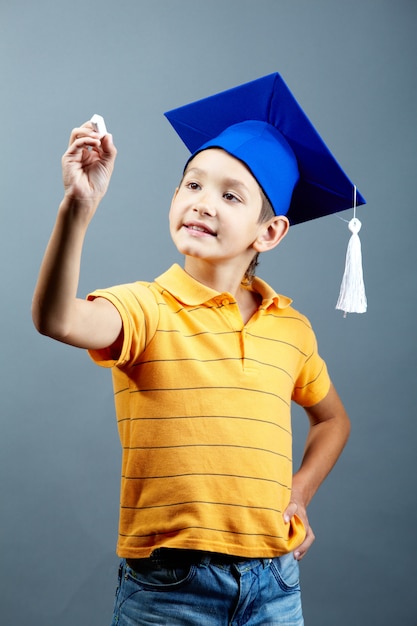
(201,229)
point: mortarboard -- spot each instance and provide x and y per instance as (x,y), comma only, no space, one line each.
(261,124)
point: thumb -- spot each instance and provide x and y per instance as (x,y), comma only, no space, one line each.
(108,145)
(290,511)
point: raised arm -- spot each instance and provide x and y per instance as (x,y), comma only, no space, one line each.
(327,436)
(87,167)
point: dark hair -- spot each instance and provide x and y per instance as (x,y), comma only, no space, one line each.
(267,212)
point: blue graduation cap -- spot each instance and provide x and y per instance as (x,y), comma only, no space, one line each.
(261,124)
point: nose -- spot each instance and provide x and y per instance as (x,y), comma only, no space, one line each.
(205,206)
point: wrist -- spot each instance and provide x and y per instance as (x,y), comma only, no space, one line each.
(301,489)
(77,211)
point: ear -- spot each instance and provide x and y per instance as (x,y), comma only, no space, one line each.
(271,233)
(173,198)
(175,194)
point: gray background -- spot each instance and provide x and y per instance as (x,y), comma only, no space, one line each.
(352,66)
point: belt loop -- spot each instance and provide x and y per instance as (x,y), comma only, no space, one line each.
(205,560)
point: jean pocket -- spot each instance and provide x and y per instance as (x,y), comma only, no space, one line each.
(286,572)
(153,577)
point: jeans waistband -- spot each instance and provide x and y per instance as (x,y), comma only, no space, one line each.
(175,558)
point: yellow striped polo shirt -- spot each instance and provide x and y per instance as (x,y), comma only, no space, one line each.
(203,409)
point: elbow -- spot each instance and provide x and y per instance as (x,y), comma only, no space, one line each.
(46,324)
(37,319)
(348,427)
(344,434)
(344,427)
(42,325)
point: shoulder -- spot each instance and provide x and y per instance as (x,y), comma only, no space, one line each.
(127,294)
(137,304)
(289,319)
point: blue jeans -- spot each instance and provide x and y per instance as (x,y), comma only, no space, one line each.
(208,592)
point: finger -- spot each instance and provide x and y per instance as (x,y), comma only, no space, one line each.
(86,130)
(290,511)
(83,143)
(107,144)
(302,549)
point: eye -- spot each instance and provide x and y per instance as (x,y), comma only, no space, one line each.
(231,197)
(193,186)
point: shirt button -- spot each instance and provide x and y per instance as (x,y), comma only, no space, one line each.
(225,302)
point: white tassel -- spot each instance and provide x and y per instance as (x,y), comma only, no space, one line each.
(352,297)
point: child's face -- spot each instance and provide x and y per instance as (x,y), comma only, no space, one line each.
(215,211)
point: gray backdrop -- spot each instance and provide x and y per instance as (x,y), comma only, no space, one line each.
(352,65)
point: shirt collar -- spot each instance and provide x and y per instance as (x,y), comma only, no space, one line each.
(188,290)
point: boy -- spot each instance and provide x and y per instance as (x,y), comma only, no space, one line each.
(206,361)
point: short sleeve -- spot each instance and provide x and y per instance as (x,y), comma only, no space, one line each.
(138,310)
(313,381)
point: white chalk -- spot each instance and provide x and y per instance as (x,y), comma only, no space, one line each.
(99,125)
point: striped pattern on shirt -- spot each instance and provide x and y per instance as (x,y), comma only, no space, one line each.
(203,408)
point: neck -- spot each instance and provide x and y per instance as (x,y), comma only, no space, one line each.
(223,278)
